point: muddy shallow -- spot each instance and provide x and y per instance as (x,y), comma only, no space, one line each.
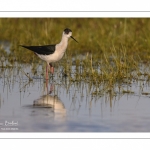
(62,106)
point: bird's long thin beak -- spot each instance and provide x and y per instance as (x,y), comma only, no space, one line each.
(74,38)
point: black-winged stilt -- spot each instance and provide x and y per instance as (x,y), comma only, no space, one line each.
(52,53)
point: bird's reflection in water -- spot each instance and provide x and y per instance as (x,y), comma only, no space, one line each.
(51,102)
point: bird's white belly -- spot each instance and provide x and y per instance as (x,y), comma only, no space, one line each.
(52,57)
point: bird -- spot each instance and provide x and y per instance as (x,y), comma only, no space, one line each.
(52,53)
(56,106)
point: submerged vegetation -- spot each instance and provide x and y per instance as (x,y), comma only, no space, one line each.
(110,51)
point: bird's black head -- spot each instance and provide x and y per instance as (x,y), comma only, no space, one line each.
(67,31)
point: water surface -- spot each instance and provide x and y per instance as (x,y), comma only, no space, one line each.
(59,105)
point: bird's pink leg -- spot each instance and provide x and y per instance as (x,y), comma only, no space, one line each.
(47,86)
(47,72)
(51,69)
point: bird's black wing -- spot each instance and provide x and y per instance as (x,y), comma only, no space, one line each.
(43,50)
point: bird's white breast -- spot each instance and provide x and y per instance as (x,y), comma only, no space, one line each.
(56,56)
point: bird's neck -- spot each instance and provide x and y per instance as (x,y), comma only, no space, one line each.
(64,40)
(64,43)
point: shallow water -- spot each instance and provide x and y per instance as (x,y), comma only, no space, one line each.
(69,106)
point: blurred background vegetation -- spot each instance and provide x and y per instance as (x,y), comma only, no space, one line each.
(95,35)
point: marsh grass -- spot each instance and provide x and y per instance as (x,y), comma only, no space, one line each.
(109,53)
